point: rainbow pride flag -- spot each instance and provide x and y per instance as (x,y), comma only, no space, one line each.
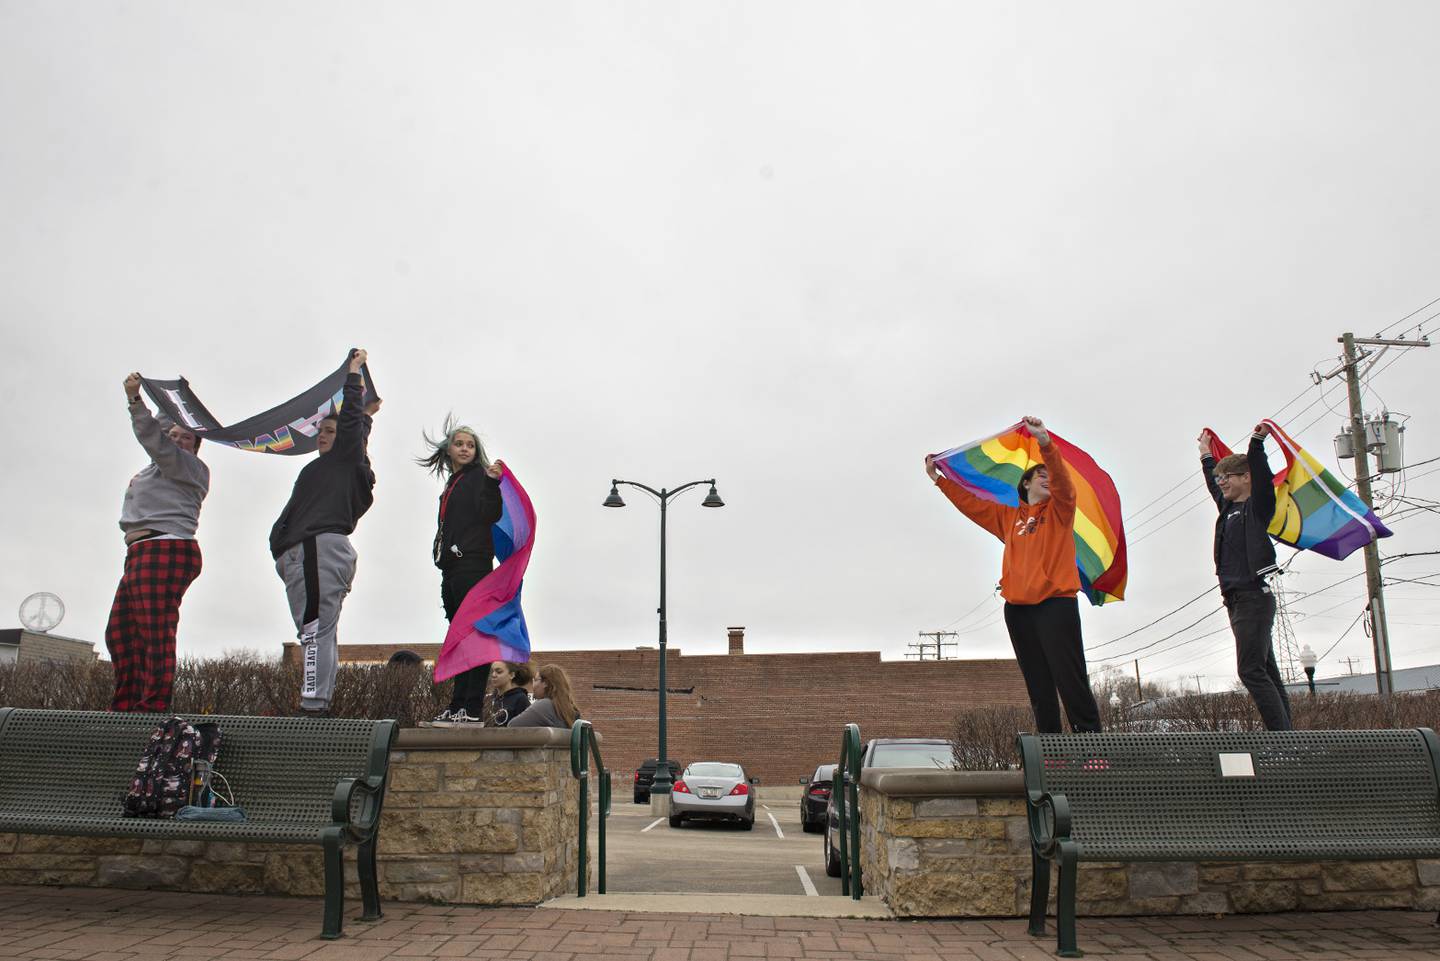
(991,469)
(489,624)
(1314,511)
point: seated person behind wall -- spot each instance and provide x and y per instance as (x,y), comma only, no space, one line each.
(554,705)
(508,697)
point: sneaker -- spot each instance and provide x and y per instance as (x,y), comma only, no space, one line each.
(442,717)
(462,717)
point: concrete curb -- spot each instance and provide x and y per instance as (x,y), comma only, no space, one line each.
(753,905)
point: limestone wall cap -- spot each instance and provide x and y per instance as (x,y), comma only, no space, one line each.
(924,782)
(475,738)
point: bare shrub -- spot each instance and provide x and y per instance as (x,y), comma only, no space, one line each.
(983,739)
(238,683)
(62,685)
(405,692)
(1358,712)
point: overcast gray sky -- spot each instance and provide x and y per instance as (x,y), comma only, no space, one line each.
(794,246)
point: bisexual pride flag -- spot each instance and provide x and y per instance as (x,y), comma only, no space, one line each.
(489,625)
(1314,511)
(991,469)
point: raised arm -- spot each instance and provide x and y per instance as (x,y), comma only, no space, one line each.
(1262,479)
(1062,487)
(491,504)
(174,463)
(1207,468)
(351,426)
(995,518)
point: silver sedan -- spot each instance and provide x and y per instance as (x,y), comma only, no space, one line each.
(710,790)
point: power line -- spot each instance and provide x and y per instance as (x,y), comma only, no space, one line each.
(1157,620)
(1133,522)
(1288,562)
(1146,647)
(1382,332)
(1344,633)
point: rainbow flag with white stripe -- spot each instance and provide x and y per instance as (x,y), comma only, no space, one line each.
(489,624)
(991,469)
(1314,510)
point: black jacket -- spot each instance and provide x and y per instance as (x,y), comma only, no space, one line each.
(513,703)
(335,489)
(469,506)
(1257,511)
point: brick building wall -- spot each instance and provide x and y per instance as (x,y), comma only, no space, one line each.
(779,715)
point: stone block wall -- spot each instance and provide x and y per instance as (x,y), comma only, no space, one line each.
(471,816)
(937,844)
(741,707)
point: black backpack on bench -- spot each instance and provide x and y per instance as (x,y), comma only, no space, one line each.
(166,772)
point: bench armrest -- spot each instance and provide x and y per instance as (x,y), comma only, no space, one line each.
(1049,817)
(367,819)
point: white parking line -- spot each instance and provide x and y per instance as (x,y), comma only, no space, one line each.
(805,881)
(651,825)
(778,833)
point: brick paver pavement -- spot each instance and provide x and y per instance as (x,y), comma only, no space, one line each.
(89,924)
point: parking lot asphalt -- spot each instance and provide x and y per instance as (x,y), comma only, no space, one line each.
(645,854)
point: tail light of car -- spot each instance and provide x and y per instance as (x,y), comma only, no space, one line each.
(637,777)
(680,787)
(819,790)
(740,789)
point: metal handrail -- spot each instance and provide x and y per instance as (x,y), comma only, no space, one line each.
(582,735)
(847,787)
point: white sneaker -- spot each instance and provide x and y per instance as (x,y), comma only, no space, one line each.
(461,717)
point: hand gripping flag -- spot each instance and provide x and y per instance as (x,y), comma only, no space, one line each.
(1314,511)
(291,428)
(489,625)
(991,469)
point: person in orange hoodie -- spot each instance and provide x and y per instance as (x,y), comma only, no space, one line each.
(1039,581)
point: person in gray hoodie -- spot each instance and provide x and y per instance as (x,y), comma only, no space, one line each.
(159,517)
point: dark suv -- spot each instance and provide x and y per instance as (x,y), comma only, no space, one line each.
(815,799)
(927,753)
(645,776)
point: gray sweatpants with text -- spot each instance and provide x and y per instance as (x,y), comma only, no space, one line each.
(317,573)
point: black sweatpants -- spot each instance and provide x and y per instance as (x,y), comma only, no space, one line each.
(470,685)
(1252,618)
(1046,638)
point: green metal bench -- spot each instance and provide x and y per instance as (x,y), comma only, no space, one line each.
(1281,796)
(299,781)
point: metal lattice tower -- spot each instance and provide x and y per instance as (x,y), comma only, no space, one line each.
(1287,648)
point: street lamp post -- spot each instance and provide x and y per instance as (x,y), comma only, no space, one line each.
(1308,661)
(662,781)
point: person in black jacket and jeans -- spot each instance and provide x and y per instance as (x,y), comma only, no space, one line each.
(1243,489)
(463,550)
(311,539)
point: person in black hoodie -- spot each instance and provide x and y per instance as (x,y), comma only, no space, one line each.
(1243,488)
(463,550)
(311,540)
(508,697)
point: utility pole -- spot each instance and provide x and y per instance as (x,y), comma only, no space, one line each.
(1384,682)
(936,642)
(1350,663)
(1139,691)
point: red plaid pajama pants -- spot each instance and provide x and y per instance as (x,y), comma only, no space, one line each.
(143,621)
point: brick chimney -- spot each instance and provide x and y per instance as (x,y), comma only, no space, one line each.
(737,640)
